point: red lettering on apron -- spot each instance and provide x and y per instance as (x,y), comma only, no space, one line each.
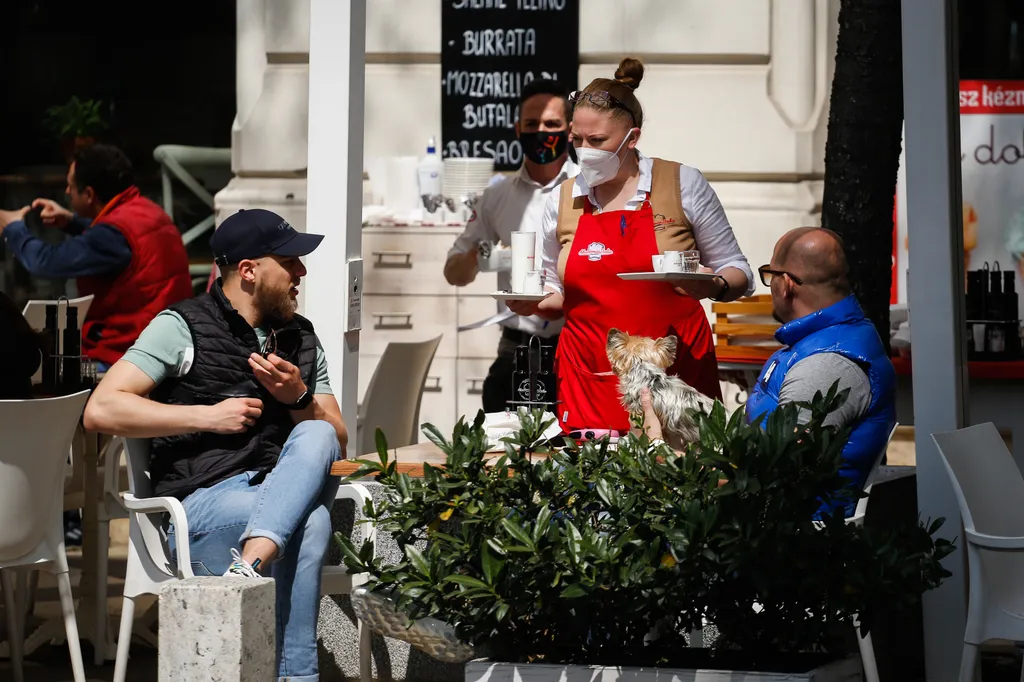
(596,300)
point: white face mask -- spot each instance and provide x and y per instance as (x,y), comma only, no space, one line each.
(598,166)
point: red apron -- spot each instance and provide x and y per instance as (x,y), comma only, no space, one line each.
(596,300)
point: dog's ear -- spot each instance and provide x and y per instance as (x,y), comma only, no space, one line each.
(666,347)
(616,347)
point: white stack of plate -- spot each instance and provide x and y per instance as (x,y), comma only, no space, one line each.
(466,177)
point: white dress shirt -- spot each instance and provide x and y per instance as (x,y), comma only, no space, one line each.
(711,229)
(515,203)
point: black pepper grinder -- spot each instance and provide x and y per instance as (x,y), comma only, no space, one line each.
(51,347)
(995,336)
(71,357)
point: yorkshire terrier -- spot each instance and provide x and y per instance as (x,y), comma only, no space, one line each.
(640,362)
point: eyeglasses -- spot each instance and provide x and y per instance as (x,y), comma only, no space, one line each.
(767,274)
(601,99)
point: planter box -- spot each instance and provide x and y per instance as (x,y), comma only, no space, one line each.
(846,670)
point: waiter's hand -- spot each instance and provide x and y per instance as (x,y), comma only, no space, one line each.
(549,308)
(52,213)
(700,288)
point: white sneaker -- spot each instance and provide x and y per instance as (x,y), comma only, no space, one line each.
(430,635)
(240,568)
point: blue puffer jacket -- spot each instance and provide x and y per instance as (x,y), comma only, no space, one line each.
(840,328)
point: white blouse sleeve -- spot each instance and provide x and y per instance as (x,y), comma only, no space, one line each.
(711,229)
(550,247)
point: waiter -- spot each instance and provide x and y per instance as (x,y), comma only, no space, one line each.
(517,204)
(620,210)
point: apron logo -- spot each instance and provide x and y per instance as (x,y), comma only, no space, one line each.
(661,221)
(595,251)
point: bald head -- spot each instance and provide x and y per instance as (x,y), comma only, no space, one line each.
(817,256)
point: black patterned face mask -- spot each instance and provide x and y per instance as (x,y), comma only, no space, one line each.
(544,147)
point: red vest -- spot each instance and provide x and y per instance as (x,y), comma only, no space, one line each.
(156,278)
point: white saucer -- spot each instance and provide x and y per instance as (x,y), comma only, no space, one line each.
(512,296)
(666,276)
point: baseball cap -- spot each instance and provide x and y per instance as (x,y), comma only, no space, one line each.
(257,232)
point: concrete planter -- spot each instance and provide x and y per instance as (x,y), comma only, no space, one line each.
(845,670)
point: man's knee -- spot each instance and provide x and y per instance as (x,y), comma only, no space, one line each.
(316,439)
(317,532)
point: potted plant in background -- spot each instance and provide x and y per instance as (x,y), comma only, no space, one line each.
(576,557)
(76,123)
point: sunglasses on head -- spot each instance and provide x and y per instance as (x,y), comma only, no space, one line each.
(767,274)
(601,99)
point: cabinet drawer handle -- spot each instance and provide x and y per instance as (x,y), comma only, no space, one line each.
(392,320)
(432,385)
(392,259)
(476,385)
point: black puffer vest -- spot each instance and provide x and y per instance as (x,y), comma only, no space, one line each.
(223,341)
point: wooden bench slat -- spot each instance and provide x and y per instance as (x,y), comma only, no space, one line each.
(764,331)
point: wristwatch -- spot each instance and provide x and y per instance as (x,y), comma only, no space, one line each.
(724,291)
(303,402)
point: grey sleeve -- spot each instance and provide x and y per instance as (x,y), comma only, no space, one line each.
(817,374)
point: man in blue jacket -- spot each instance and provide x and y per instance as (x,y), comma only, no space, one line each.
(826,338)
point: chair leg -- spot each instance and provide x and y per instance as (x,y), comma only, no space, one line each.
(67,603)
(365,649)
(969,663)
(867,657)
(124,639)
(102,577)
(15,637)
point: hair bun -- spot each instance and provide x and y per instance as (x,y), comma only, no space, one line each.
(630,72)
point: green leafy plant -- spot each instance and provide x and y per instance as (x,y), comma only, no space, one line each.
(77,118)
(574,556)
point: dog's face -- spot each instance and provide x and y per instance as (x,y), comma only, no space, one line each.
(625,350)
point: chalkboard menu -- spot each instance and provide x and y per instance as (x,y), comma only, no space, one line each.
(490,49)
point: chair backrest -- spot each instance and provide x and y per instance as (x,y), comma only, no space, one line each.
(745,328)
(37,436)
(35,311)
(862,503)
(392,400)
(986,480)
(136,459)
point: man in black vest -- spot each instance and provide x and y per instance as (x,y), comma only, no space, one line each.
(232,388)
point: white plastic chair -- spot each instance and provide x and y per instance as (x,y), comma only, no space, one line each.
(150,564)
(393,397)
(34,449)
(867,649)
(989,488)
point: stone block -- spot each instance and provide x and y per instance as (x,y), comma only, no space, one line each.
(218,630)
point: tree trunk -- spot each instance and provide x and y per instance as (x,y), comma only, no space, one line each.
(863,148)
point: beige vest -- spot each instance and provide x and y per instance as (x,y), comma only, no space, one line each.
(672,229)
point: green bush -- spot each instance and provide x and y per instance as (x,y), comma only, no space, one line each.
(573,556)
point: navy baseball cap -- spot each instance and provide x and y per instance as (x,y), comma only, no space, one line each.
(257,232)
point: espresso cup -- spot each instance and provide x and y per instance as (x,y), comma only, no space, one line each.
(658,263)
(673,261)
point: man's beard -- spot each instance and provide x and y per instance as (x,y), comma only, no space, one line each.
(275,307)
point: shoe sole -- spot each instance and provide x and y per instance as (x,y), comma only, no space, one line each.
(430,635)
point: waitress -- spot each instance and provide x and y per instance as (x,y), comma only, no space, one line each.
(620,210)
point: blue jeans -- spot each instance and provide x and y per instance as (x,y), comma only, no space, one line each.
(291,507)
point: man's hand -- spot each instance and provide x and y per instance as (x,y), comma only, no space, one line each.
(280,377)
(52,213)
(652,425)
(8,217)
(461,269)
(233,415)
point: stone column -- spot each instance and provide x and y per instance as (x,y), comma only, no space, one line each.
(218,629)
(269,134)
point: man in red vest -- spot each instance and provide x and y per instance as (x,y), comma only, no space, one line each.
(123,249)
